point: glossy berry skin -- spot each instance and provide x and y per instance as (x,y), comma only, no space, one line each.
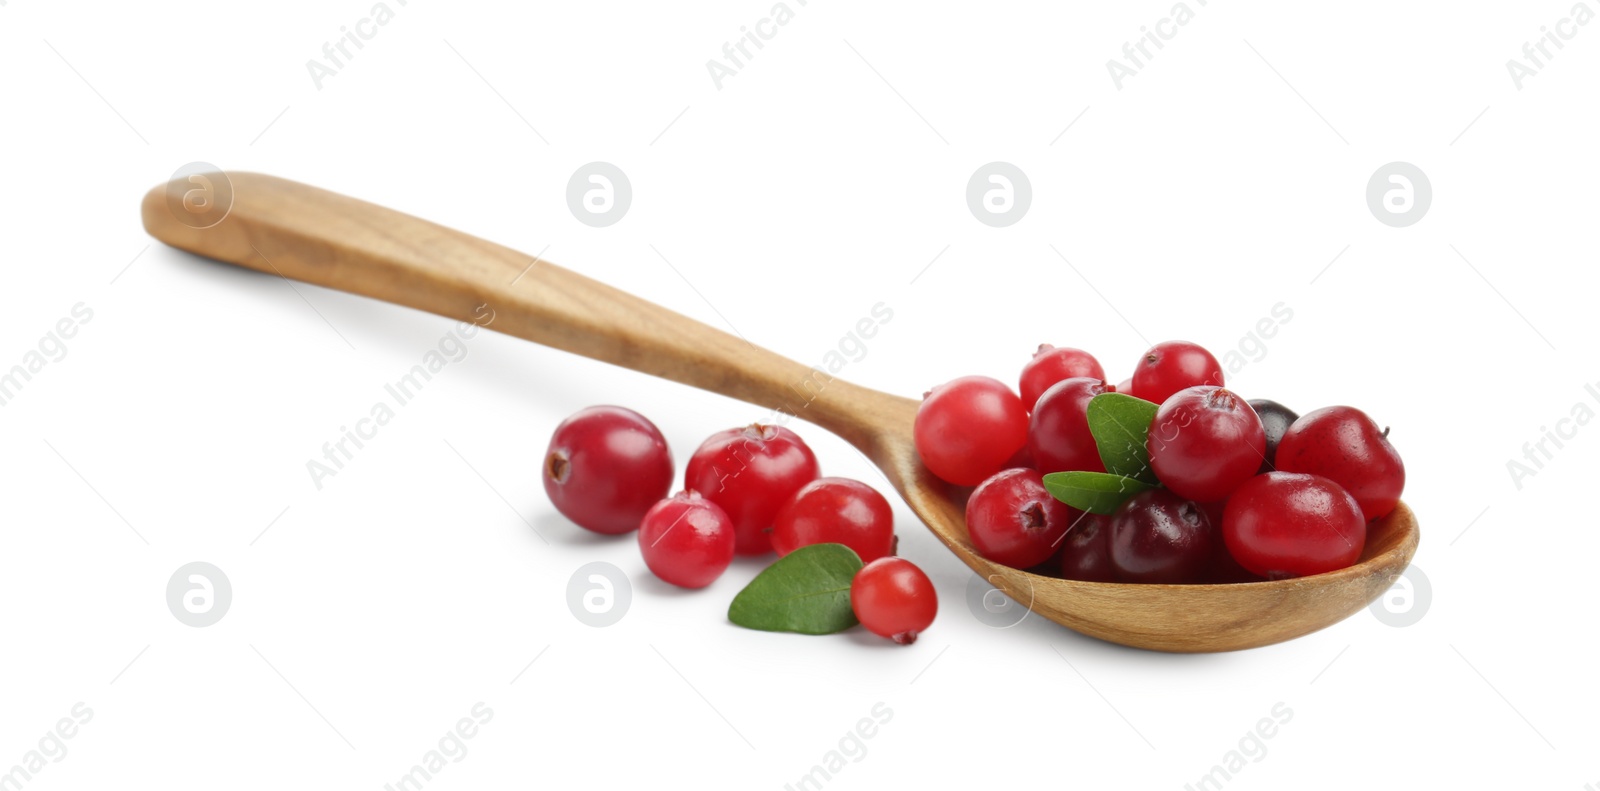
(751,472)
(894,599)
(1013,520)
(1052,364)
(1171,366)
(1159,537)
(1275,421)
(1284,524)
(686,540)
(605,467)
(1342,443)
(1204,442)
(1086,551)
(836,511)
(1058,429)
(967,428)
(1126,386)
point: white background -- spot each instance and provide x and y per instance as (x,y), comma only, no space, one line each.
(371,615)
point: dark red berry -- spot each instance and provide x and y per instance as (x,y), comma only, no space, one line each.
(605,467)
(1224,570)
(1157,536)
(1342,443)
(1086,551)
(836,511)
(686,540)
(1014,521)
(1213,511)
(751,472)
(894,599)
(1204,442)
(1171,366)
(1284,524)
(1058,431)
(1050,365)
(1275,420)
(966,429)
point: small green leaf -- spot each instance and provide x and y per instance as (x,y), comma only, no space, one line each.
(1121,427)
(806,591)
(1095,492)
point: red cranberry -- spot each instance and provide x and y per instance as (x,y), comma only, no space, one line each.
(894,599)
(1050,365)
(1171,366)
(1086,551)
(1013,520)
(836,511)
(968,428)
(1058,431)
(1285,524)
(686,540)
(1204,442)
(750,473)
(605,467)
(1342,443)
(1157,536)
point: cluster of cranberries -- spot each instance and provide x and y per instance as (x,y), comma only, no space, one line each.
(1248,489)
(747,491)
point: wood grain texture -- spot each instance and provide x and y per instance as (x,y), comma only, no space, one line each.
(312,235)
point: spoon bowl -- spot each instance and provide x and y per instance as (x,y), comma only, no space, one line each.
(304,233)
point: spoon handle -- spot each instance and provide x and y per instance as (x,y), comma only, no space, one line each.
(304,233)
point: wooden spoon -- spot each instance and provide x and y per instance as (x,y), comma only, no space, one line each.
(301,232)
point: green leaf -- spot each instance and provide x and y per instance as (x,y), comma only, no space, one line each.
(806,591)
(1095,492)
(1120,424)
